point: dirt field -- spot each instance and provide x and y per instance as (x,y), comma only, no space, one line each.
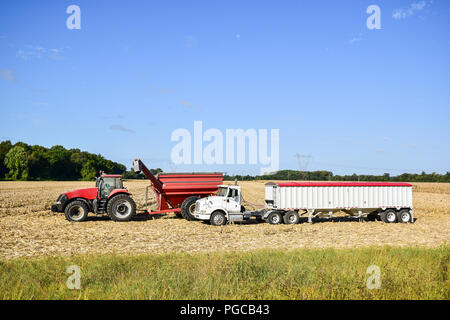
(29,228)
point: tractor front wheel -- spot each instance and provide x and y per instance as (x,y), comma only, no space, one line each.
(76,211)
(121,208)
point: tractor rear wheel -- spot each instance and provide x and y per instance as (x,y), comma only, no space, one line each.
(121,208)
(76,211)
(188,208)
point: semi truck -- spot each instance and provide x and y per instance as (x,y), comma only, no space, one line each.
(287,202)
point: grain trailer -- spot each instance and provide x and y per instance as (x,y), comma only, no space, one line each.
(286,202)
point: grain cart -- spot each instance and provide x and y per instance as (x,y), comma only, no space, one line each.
(286,202)
(178,192)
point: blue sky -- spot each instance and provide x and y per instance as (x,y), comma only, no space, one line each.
(357,100)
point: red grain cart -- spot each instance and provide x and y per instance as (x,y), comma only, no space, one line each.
(178,192)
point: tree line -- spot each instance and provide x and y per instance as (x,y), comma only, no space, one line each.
(329,176)
(21,161)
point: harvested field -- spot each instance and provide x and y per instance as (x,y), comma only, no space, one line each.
(29,228)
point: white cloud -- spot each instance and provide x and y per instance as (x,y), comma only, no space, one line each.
(190,105)
(355,39)
(117,127)
(404,13)
(30,52)
(7,75)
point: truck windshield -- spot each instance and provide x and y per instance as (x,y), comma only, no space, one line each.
(222,192)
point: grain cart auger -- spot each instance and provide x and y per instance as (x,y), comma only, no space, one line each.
(178,192)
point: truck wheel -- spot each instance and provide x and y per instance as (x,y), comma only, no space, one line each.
(218,218)
(121,208)
(291,218)
(188,208)
(404,216)
(76,211)
(259,219)
(274,218)
(389,216)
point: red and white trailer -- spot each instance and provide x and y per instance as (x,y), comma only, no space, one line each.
(392,202)
(286,202)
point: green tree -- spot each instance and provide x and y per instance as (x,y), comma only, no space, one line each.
(39,167)
(88,170)
(16,161)
(5,146)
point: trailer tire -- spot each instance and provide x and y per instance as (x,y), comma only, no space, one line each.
(389,216)
(372,216)
(76,211)
(404,216)
(218,218)
(121,208)
(274,218)
(188,207)
(291,218)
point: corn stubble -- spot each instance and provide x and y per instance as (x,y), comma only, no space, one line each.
(28,227)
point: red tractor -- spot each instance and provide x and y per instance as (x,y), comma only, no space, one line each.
(109,196)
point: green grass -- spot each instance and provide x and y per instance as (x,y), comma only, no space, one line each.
(406,273)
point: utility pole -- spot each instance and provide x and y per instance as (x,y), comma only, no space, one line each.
(303,161)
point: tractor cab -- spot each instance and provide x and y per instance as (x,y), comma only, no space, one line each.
(106,183)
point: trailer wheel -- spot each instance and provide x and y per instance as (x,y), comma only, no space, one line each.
(76,211)
(389,216)
(404,216)
(291,218)
(121,208)
(218,218)
(188,208)
(274,218)
(372,216)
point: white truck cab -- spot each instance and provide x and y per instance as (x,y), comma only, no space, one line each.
(224,206)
